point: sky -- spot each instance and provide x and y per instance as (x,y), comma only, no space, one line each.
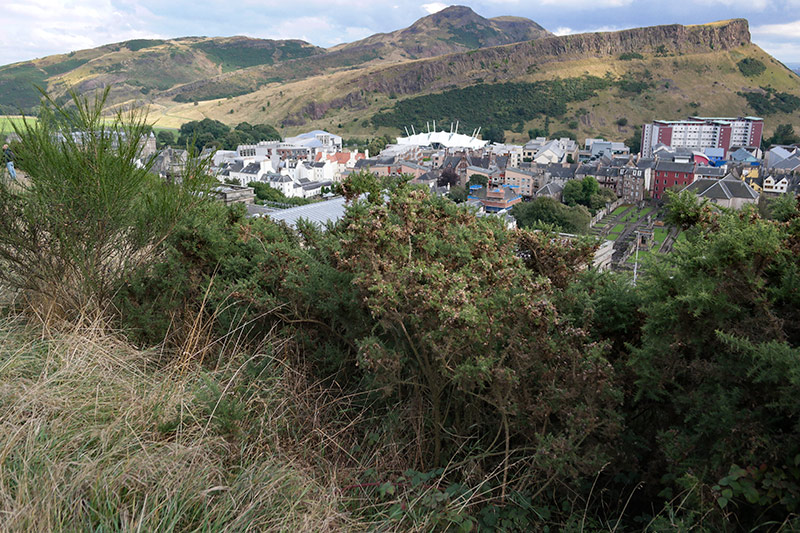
(37,28)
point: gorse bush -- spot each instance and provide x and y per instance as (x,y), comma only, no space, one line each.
(422,307)
(89,214)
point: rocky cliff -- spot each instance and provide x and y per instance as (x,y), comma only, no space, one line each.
(505,62)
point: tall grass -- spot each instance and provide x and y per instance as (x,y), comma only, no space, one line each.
(97,439)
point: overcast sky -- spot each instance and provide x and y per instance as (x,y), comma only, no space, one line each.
(37,28)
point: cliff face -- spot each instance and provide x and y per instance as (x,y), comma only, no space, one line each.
(504,62)
(508,62)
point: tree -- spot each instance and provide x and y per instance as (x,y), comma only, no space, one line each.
(494,134)
(784,207)
(635,141)
(478,179)
(572,194)
(165,138)
(717,367)
(784,134)
(458,194)
(378,143)
(448,177)
(547,211)
(587,192)
(464,331)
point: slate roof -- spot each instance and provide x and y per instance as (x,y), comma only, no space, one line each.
(790,163)
(252,168)
(559,171)
(669,166)
(710,172)
(310,186)
(551,189)
(451,161)
(724,189)
(319,213)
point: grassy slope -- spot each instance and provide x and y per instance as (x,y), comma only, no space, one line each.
(678,81)
(99,438)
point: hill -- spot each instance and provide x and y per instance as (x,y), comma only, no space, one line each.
(635,76)
(452,65)
(454,29)
(139,68)
(191,68)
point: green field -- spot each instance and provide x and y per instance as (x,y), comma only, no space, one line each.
(618,228)
(7,123)
(619,210)
(659,234)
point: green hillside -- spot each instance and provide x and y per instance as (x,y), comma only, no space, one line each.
(506,73)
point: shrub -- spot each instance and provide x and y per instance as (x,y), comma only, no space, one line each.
(90,215)
(751,67)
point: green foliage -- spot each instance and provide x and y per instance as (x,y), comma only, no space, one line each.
(501,105)
(209,132)
(235,55)
(587,192)
(467,358)
(494,134)
(89,216)
(64,66)
(771,101)
(631,86)
(784,207)
(635,141)
(265,193)
(165,138)
(378,143)
(458,194)
(478,179)
(622,121)
(18,85)
(547,211)
(627,56)
(564,134)
(751,67)
(137,44)
(784,134)
(718,365)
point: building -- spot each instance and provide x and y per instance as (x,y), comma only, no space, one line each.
(699,133)
(316,141)
(494,199)
(235,194)
(728,192)
(667,174)
(443,139)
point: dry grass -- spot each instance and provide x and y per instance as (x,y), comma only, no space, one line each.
(95,438)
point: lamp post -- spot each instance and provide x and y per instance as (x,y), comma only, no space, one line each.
(636,260)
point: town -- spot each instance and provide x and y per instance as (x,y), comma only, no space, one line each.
(719,159)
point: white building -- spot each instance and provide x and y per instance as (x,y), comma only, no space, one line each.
(698,133)
(443,139)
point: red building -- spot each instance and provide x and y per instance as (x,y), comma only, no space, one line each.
(667,174)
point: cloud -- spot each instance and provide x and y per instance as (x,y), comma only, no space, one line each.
(36,28)
(435,7)
(787,30)
(586,4)
(564,30)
